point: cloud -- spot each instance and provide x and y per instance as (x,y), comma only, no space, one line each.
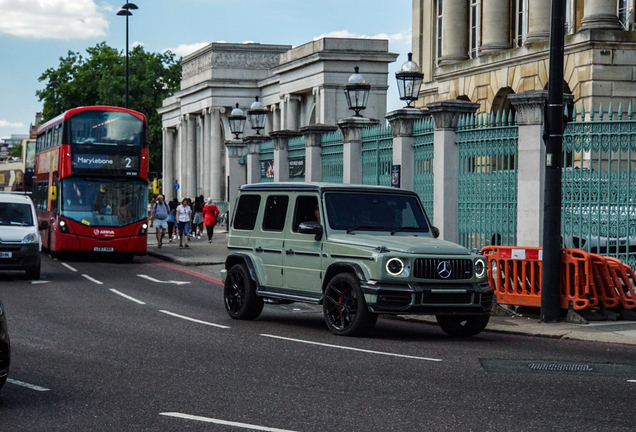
(184,49)
(136,44)
(53,19)
(397,37)
(4,123)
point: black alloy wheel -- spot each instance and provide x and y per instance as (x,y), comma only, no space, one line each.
(463,326)
(241,301)
(345,310)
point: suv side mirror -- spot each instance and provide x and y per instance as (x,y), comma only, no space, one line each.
(435,231)
(311,228)
(44,225)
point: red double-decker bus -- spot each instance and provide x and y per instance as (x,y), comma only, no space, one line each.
(91,181)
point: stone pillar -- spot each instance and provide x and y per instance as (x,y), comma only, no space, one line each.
(183,164)
(281,157)
(191,158)
(276,118)
(600,14)
(206,150)
(200,161)
(402,122)
(446,163)
(283,112)
(216,159)
(169,162)
(496,26)
(236,171)
(455,28)
(253,147)
(328,106)
(352,147)
(293,112)
(318,104)
(313,156)
(539,13)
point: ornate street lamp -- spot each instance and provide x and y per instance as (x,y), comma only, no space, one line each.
(357,92)
(258,115)
(237,121)
(126,11)
(409,81)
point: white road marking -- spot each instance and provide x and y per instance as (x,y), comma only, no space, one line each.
(352,349)
(223,422)
(194,320)
(632,381)
(38,282)
(93,280)
(27,385)
(69,267)
(127,296)
(162,281)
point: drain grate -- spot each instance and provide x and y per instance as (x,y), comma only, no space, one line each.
(560,367)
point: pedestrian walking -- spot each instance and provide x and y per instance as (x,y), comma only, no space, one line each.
(172,218)
(159,214)
(197,220)
(184,214)
(210,216)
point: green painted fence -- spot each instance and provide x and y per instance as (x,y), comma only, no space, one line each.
(377,155)
(487,180)
(331,152)
(599,183)
(423,179)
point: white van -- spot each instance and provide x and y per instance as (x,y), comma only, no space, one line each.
(20,241)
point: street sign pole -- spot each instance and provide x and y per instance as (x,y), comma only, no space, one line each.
(554,123)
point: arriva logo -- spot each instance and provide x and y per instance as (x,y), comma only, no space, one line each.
(104,232)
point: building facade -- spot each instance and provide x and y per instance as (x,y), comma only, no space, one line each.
(484,50)
(299,86)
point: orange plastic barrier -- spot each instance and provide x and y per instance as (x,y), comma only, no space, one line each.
(623,278)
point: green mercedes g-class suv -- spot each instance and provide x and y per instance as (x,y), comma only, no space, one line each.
(360,251)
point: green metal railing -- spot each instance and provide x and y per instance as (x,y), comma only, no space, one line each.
(423,179)
(487,183)
(331,152)
(599,183)
(296,155)
(267,155)
(377,155)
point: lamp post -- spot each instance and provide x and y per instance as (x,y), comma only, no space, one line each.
(257,115)
(409,81)
(125,11)
(237,121)
(357,92)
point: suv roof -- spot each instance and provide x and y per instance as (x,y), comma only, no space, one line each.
(321,187)
(19,198)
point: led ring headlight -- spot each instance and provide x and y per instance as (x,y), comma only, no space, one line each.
(394,266)
(480,268)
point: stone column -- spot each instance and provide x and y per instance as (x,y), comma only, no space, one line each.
(191,158)
(455,28)
(183,164)
(236,171)
(253,147)
(200,161)
(313,157)
(168,162)
(318,105)
(205,151)
(216,159)
(446,163)
(539,13)
(352,147)
(600,14)
(281,156)
(496,26)
(282,106)
(293,112)
(328,106)
(402,122)
(276,118)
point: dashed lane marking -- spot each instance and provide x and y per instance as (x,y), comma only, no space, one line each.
(27,385)
(127,296)
(352,349)
(161,281)
(631,381)
(223,422)
(93,280)
(194,320)
(69,267)
(37,282)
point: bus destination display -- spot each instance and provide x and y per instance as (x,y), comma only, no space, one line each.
(110,163)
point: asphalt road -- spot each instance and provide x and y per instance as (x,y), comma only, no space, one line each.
(148,346)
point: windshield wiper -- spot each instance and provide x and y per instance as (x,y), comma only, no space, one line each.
(361,227)
(407,228)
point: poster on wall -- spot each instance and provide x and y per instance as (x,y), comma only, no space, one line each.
(395,176)
(296,168)
(267,168)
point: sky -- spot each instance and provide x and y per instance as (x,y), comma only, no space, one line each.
(35,34)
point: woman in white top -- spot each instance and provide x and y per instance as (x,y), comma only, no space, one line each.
(184,214)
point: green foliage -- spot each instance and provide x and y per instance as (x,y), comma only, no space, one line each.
(99,79)
(16,151)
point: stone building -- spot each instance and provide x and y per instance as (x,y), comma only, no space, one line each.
(299,86)
(484,50)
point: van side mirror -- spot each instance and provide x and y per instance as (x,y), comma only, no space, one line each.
(44,225)
(311,228)
(435,231)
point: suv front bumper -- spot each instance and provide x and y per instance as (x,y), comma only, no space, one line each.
(429,299)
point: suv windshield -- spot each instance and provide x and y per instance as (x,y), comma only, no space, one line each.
(352,211)
(106,128)
(109,203)
(15,214)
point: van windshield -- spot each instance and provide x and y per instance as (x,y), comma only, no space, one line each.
(14,214)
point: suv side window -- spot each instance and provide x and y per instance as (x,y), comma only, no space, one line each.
(246,212)
(305,211)
(275,212)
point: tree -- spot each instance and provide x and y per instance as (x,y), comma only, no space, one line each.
(16,151)
(99,79)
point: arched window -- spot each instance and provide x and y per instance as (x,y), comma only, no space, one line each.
(501,102)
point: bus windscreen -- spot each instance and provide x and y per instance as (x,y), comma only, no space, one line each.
(106,128)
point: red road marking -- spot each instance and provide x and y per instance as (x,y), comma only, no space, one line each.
(183,270)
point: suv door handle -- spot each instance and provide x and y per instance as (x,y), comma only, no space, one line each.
(258,249)
(289,252)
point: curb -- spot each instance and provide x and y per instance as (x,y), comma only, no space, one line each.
(181,261)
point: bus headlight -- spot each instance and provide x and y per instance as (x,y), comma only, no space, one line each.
(31,238)
(63,226)
(480,268)
(394,266)
(144,229)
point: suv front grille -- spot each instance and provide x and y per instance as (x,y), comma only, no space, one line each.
(429,268)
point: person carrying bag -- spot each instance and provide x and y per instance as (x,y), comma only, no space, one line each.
(210,215)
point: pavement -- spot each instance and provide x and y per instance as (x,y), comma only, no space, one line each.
(514,321)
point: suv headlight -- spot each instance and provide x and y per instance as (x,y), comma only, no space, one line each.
(480,268)
(31,238)
(394,266)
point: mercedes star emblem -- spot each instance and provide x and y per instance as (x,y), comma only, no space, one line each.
(444,269)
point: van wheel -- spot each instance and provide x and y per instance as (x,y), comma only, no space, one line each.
(345,310)
(34,273)
(241,301)
(463,326)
